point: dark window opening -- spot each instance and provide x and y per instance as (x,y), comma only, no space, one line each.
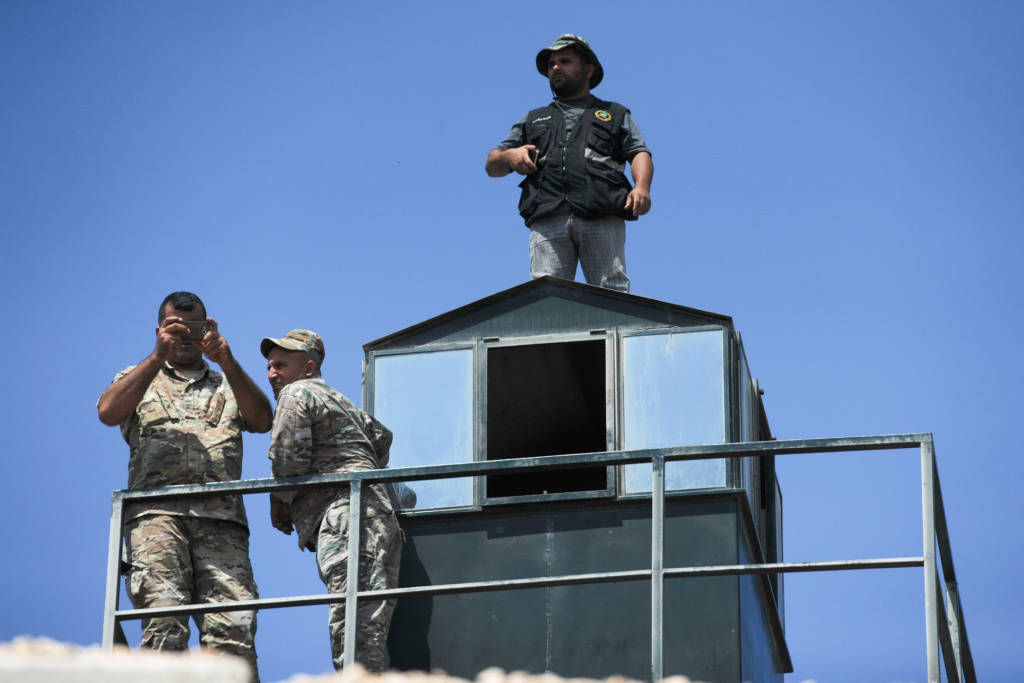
(546,399)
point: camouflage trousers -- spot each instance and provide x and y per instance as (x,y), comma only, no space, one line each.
(178,560)
(380,553)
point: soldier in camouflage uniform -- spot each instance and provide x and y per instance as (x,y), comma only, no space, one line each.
(318,430)
(184,422)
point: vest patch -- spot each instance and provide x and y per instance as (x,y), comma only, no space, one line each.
(602,115)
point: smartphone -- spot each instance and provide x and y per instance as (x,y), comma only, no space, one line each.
(197,329)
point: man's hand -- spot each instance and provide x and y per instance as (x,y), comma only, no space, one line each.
(502,162)
(215,346)
(518,159)
(639,201)
(168,337)
(121,397)
(280,515)
(251,400)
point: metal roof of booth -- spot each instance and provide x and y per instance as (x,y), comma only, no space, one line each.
(546,306)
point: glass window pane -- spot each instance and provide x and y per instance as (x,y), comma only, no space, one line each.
(750,466)
(747,401)
(747,465)
(426,399)
(673,395)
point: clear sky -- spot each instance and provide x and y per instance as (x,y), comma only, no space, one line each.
(843,179)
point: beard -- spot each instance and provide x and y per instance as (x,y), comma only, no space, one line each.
(564,85)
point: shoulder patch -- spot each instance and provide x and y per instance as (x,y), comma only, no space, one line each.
(603,115)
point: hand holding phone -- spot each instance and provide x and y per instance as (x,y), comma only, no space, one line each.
(197,329)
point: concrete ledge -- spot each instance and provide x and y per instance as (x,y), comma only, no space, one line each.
(358,675)
(43,660)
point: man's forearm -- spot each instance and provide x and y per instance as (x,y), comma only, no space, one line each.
(497,165)
(252,402)
(642,169)
(121,397)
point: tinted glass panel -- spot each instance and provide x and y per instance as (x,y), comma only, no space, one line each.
(747,401)
(673,395)
(747,465)
(426,399)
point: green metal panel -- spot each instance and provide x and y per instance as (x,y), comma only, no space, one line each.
(591,630)
(758,658)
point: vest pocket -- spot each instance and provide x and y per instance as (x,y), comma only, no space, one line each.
(601,139)
(607,174)
(537,134)
(528,199)
(607,191)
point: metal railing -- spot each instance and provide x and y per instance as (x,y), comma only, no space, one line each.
(945,634)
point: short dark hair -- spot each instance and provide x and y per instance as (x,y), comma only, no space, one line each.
(183,301)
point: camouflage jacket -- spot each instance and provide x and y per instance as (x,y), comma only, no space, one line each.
(185,432)
(317,430)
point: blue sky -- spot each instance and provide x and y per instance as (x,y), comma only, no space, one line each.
(843,179)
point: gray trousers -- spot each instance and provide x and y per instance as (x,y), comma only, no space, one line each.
(557,243)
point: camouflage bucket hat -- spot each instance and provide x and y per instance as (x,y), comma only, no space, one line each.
(569,40)
(297,340)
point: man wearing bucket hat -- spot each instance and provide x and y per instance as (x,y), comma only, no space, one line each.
(573,153)
(317,430)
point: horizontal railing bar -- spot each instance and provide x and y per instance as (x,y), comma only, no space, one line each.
(796,567)
(547,462)
(513,584)
(232,606)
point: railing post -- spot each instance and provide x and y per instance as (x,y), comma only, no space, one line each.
(355,514)
(930,572)
(657,565)
(113,572)
(953,617)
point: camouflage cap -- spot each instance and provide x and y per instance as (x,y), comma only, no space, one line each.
(570,40)
(297,340)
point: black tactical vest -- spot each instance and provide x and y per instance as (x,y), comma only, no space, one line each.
(568,172)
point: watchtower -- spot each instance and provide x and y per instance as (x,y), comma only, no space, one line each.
(596,495)
(555,367)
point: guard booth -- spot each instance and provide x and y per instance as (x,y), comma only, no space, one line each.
(557,367)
